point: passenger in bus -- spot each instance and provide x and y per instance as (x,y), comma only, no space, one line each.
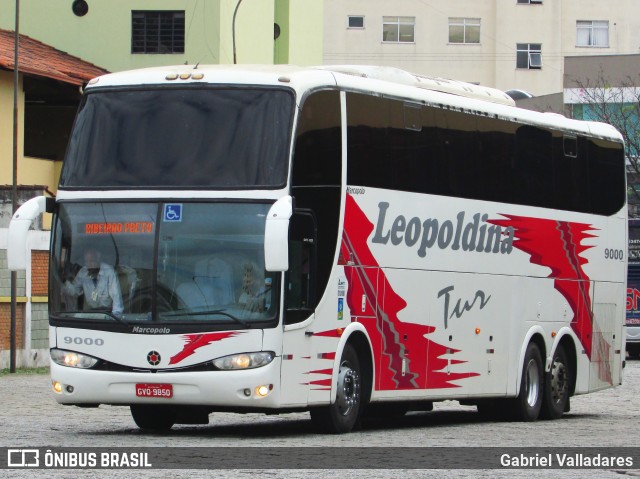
(256,290)
(97,283)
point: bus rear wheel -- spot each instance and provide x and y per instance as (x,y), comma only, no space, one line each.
(526,407)
(344,414)
(556,386)
(152,417)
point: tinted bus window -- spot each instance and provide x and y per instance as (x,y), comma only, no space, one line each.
(452,153)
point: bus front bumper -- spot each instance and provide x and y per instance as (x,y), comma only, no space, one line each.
(250,388)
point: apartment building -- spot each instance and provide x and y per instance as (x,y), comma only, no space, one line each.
(127,34)
(506,44)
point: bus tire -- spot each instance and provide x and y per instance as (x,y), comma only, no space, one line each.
(557,384)
(153,417)
(344,414)
(526,406)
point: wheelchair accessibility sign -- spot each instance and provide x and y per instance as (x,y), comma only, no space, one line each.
(172,212)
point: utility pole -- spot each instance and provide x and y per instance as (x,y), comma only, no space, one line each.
(233,30)
(14,188)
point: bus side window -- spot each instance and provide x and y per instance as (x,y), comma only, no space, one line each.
(532,180)
(300,290)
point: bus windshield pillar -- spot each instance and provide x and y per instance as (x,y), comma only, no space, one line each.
(276,235)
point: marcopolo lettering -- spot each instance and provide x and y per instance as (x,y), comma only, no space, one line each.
(141,329)
(468,234)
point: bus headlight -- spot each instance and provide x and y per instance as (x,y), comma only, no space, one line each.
(244,360)
(72,359)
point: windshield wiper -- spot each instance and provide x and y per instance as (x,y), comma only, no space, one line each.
(208,312)
(108,313)
(117,318)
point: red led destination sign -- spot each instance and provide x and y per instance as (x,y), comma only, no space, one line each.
(132,227)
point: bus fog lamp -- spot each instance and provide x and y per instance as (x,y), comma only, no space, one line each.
(244,360)
(72,359)
(57,387)
(262,391)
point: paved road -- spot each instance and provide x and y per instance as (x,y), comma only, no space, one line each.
(29,417)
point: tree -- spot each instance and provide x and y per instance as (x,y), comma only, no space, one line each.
(615,101)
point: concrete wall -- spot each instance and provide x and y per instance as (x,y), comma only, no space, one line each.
(32,338)
(6,120)
(305,32)
(620,70)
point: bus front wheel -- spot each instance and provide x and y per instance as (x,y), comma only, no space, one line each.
(344,414)
(152,417)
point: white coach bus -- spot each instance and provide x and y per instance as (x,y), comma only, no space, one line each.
(344,240)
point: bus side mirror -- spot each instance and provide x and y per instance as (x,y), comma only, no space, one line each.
(276,235)
(19,229)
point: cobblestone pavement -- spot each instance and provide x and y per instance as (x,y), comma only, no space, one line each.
(29,417)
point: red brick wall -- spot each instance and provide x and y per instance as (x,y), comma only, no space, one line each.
(39,273)
(5,326)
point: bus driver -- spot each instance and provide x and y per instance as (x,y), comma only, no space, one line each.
(98,282)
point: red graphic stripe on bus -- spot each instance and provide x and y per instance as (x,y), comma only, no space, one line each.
(197,341)
(329,355)
(559,245)
(325,383)
(331,333)
(392,340)
(328,371)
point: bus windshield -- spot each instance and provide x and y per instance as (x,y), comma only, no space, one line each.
(206,138)
(161,263)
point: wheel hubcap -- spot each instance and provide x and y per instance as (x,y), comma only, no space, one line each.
(533,383)
(558,381)
(348,389)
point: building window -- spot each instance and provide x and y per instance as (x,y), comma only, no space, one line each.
(157,32)
(531,2)
(355,21)
(529,55)
(464,30)
(398,29)
(592,33)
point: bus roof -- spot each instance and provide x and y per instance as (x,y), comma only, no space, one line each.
(383,80)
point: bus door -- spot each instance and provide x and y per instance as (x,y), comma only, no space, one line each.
(297,361)
(606,337)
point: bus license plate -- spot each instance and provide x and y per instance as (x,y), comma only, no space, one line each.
(154,390)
